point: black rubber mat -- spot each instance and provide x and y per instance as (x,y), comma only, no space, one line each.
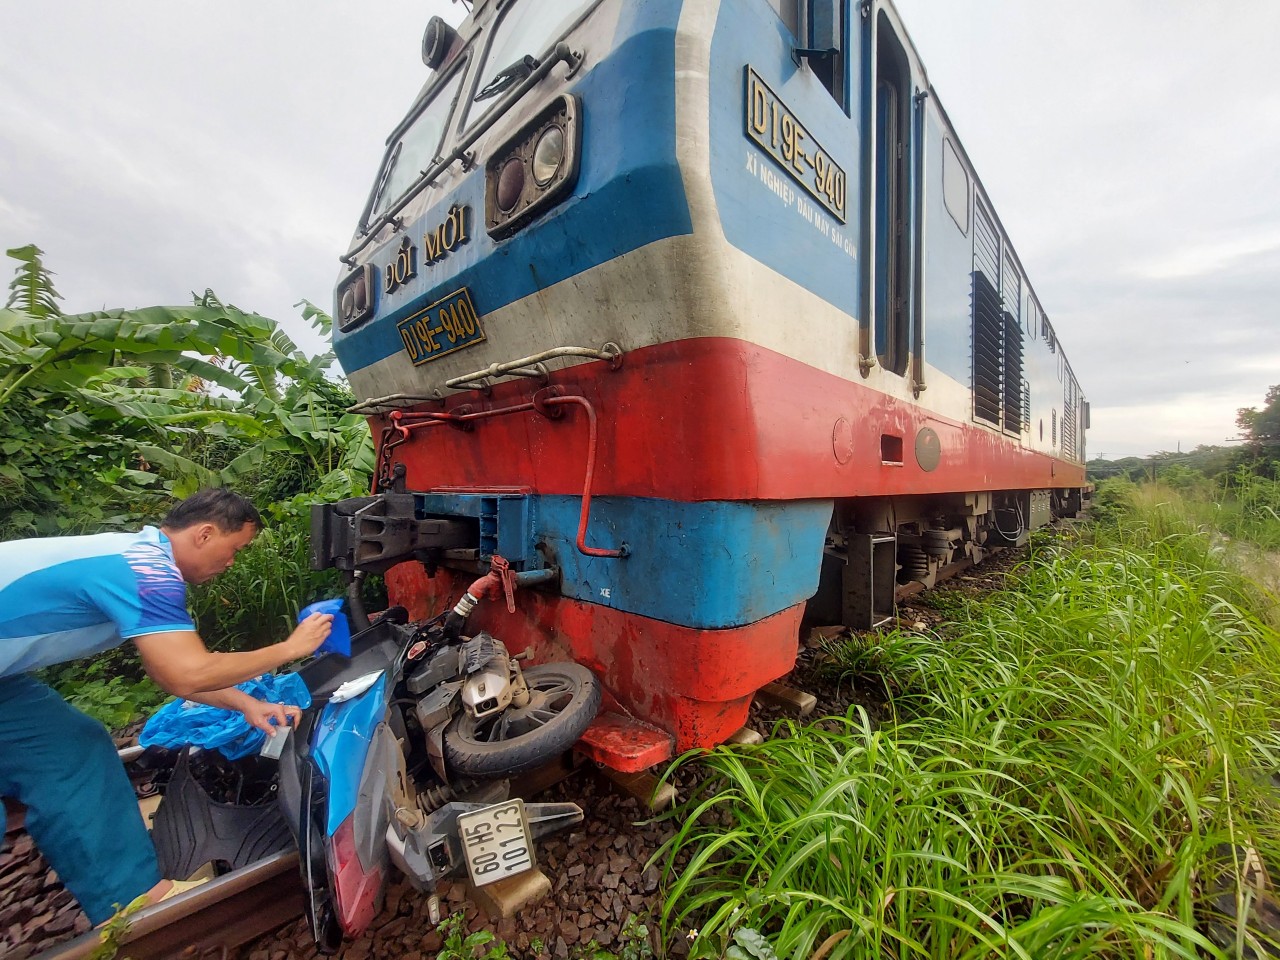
(190,828)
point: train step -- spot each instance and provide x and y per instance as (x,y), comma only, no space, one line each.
(788,699)
(625,744)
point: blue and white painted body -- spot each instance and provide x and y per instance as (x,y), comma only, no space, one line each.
(727,231)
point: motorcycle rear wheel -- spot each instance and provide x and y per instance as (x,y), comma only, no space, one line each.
(563,700)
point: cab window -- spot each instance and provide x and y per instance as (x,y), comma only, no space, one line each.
(527,29)
(417,146)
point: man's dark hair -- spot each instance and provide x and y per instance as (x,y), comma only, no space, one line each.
(228,511)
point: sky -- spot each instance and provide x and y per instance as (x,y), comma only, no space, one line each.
(1131,149)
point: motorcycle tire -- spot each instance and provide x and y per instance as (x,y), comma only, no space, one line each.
(564,699)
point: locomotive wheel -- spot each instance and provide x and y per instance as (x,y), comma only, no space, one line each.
(563,700)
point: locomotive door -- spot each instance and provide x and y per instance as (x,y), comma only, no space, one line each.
(894,178)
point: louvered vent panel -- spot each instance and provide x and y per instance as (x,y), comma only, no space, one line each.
(1011,289)
(987,355)
(986,244)
(1070,435)
(1011,383)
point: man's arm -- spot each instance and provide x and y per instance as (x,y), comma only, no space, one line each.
(181,664)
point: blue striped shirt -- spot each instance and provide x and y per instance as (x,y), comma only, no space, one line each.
(62,598)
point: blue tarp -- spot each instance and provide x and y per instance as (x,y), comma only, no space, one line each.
(182,723)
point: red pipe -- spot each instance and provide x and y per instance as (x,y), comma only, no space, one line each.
(586,484)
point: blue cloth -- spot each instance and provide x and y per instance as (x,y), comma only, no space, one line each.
(81,808)
(339,638)
(62,598)
(182,723)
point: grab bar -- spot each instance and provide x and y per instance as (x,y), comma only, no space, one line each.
(531,366)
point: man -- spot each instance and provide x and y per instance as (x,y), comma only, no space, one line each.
(67,597)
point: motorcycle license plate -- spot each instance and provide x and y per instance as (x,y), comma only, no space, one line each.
(496,841)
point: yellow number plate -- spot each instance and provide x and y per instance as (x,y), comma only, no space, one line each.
(447,325)
(777,131)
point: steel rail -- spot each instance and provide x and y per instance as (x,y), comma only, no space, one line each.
(214,917)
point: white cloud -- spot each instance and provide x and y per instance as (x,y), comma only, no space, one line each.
(1182,423)
(1203,257)
(154,149)
(1130,152)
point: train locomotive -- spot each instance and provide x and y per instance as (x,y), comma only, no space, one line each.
(696,317)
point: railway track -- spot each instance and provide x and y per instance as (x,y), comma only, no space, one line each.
(208,920)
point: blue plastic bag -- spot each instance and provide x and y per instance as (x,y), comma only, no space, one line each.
(183,723)
(339,639)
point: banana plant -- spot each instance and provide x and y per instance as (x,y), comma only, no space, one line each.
(142,392)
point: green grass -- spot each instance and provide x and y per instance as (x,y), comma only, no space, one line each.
(1239,505)
(1073,770)
(1250,509)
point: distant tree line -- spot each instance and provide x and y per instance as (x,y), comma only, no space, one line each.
(1258,453)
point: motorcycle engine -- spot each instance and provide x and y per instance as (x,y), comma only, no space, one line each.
(488,688)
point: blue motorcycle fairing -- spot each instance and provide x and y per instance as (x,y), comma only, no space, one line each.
(341,743)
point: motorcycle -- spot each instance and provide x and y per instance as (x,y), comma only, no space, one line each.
(403,760)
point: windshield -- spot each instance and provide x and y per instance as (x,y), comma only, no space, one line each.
(526,29)
(417,146)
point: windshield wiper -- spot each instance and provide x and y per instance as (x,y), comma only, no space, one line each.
(370,231)
(385,179)
(508,77)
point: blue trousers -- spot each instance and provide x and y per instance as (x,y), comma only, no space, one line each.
(81,808)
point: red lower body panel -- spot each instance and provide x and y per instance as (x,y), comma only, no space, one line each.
(695,684)
(721,419)
(692,420)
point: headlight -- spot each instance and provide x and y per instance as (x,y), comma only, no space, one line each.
(355,297)
(510,184)
(548,155)
(535,169)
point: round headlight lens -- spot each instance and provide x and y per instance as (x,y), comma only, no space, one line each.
(548,154)
(510,184)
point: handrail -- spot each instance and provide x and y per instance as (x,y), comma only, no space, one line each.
(393,401)
(585,515)
(524,366)
(478,380)
(561,53)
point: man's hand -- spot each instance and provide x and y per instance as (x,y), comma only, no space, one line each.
(308,635)
(267,717)
(261,715)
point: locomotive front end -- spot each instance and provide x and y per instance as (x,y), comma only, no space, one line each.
(517,313)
